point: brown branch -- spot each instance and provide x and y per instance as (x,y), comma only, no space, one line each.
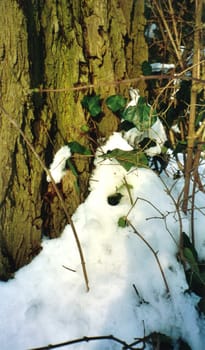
(192,213)
(120,82)
(88,339)
(196,181)
(194,92)
(125,346)
(173,21)
(167,29)
(48,173)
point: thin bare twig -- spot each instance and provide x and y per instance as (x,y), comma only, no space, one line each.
(161,217)
(167,28)
(153,251)
(171,77)
(152,205)
(68,268)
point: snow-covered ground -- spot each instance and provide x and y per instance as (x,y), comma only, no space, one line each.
(46,303)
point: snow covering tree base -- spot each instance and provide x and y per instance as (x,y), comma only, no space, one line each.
(47,303)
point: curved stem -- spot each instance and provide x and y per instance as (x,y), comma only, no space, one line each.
(154,253)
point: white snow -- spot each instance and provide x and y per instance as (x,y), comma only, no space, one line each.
(156,133)
(162,67)
(150,31)
(47,304)
(58,166)
(134,95)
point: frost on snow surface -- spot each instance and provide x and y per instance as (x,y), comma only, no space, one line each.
(47,304)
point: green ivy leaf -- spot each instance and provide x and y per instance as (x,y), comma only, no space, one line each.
(76,147)
(122,222)
(189,256)
(141,115)
(146,68)
(127,159)
(195,278)
(85,128)
(196,282)
(92,104)
(116,102)
(188,244)
(69,165)
(200,117)
(129,114)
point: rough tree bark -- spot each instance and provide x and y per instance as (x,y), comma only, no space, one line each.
(55,44)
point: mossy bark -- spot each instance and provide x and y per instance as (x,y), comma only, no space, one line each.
(20,174)
(56,44)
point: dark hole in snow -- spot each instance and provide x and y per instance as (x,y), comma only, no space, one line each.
(114,199)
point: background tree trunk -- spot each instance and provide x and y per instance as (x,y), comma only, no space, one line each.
(55,44)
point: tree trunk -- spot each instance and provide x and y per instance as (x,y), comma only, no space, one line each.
(20,178)
(51,45)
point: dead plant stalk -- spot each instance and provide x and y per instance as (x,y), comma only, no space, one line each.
(153,251)
(194,91)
